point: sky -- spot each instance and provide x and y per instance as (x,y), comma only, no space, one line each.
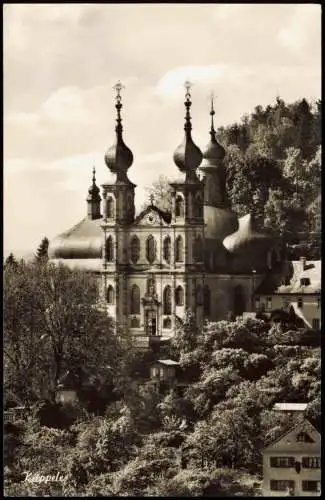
(61,62)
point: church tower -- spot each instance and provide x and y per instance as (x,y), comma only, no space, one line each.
(118,212)
(187,216)
(93,200)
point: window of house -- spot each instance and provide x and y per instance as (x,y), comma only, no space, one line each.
(135,249)
(311,462)
(300,302)
(198,249)
(179,296)
(206,301)
(155,372)
(281,485)
(316,324)
(304,281)
(167,249)
(110,295)
(167,323)
(303,437)
(109,249)
(179,249)
(110,212)
(135,300)
(167,300)
(269,303)
(151,249)
(318,303)
(282,462)
(179,206)
(310,485)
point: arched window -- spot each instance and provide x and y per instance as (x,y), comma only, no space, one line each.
(167,300)
(135,249)
(199,295)
(109,249)
(179,206)
(135,300)
(197,249)
(110,295)
(179,296)
(206,301)
(167,249)
(110,212)
(151,249)
(179,251)
(198,206)
(151,286)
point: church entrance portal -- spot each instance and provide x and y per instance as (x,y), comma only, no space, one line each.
(151,321)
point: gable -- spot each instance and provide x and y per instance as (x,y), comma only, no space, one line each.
(290,441)
(151,217)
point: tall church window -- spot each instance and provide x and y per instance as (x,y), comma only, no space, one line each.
(179,249)
(110,295)
(151,249)
(135,300)
(198,206)
(179,296)
(167,300)
(109,249)
(110,212)
(197,249)
(179,206)
(135,249)
(167,249)
(206,301)
(199,295)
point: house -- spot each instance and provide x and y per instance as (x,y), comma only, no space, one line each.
(292,462)
(297,290)
(163,369)
(66,389)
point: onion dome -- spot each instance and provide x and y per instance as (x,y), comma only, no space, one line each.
(94,191)
(248,239)
(213,151)
(119,157)
(219,222)
(188,156)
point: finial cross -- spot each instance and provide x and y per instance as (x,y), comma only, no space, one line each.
(94,174)
(118,87)
(151,199)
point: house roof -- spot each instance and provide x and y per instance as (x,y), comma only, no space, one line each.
(291,284)
(290,406)
(300,421)
(167,362)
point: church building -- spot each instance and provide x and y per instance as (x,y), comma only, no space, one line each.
(155,266)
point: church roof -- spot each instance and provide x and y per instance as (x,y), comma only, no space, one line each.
(82,241)
(219,222)
(248,239)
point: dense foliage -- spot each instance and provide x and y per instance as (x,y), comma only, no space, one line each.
(273,165)
(201,435)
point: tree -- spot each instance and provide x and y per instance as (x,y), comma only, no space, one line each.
(160,190)
(42,251)
(11,261)
(52,324)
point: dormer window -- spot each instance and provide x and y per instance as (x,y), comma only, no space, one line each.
(304,281)
(303,437)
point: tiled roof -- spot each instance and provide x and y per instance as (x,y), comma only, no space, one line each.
(276,284)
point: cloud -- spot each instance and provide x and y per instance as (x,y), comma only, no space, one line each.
(303,26)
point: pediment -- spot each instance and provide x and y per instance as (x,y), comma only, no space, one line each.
(152,216)
(292,439)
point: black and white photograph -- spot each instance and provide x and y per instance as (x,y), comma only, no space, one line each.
(162,249)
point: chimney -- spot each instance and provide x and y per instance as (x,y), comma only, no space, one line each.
(303,263)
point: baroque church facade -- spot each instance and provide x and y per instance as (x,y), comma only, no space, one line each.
(155,266)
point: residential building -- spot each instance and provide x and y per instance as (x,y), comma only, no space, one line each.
(292,462)
(297,287)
